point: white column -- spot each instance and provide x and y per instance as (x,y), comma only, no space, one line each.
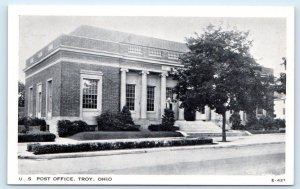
(163,89)
(180,112)
(123,87)
(144,95)
(208,113)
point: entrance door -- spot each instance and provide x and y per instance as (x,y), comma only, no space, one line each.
(91,99)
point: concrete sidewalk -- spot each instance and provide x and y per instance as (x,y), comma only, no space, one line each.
(232,142)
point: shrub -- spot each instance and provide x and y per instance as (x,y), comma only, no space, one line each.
(109,121)
(267,122)
(168,119)
(36,137)
(98,146)
(28,121)
(235,120)
(22,120)
(279,123)
(125,116)
(67,128)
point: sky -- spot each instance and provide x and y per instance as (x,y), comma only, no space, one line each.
(268,34)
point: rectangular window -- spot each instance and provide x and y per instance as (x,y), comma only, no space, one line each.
(90,90)
(39,100)
(49,96)
(169,94)
(30,101)
(150,98)
(283,111)
(173,55)
(130,96)
(154,52)
(135,50)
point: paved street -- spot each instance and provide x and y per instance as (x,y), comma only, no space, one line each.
(254,159)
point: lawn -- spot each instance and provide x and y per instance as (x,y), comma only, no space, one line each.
(104,135)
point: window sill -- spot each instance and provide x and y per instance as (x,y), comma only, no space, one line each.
(151,112)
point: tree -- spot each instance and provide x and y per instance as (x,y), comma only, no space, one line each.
(220,72)
(281,81)
(21,94)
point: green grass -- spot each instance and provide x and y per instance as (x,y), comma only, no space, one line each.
(104,135)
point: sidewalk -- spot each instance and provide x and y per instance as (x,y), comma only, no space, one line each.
(232,142)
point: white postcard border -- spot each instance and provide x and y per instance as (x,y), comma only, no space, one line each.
(179,11)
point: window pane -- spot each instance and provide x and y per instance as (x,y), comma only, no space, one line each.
(90,88)
(130,96)
(169,94)
(150,98)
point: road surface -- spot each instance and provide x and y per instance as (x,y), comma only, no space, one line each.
(259,159)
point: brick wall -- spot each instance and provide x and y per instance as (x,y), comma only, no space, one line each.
(70,99)
(53,72)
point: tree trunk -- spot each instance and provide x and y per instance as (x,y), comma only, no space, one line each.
(224,127)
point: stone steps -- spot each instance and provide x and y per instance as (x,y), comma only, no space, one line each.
(198,126)
(206,129)
(210,135)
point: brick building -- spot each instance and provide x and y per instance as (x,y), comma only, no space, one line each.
(92,70)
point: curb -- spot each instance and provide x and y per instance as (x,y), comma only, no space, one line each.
(136,151)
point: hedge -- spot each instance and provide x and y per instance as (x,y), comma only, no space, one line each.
(29,121)
(36,137)
(121,121)
(99,146)
(67,128)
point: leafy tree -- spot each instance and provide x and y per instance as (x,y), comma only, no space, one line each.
(281,81)
(220,72)
(21,93)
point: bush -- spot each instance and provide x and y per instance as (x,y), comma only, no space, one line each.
(279,123)
(267,123)
(36,137)
(168,119)
(125,116)
(235,120)
(99,146)
(67,128)
(28,121)
(109,121)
